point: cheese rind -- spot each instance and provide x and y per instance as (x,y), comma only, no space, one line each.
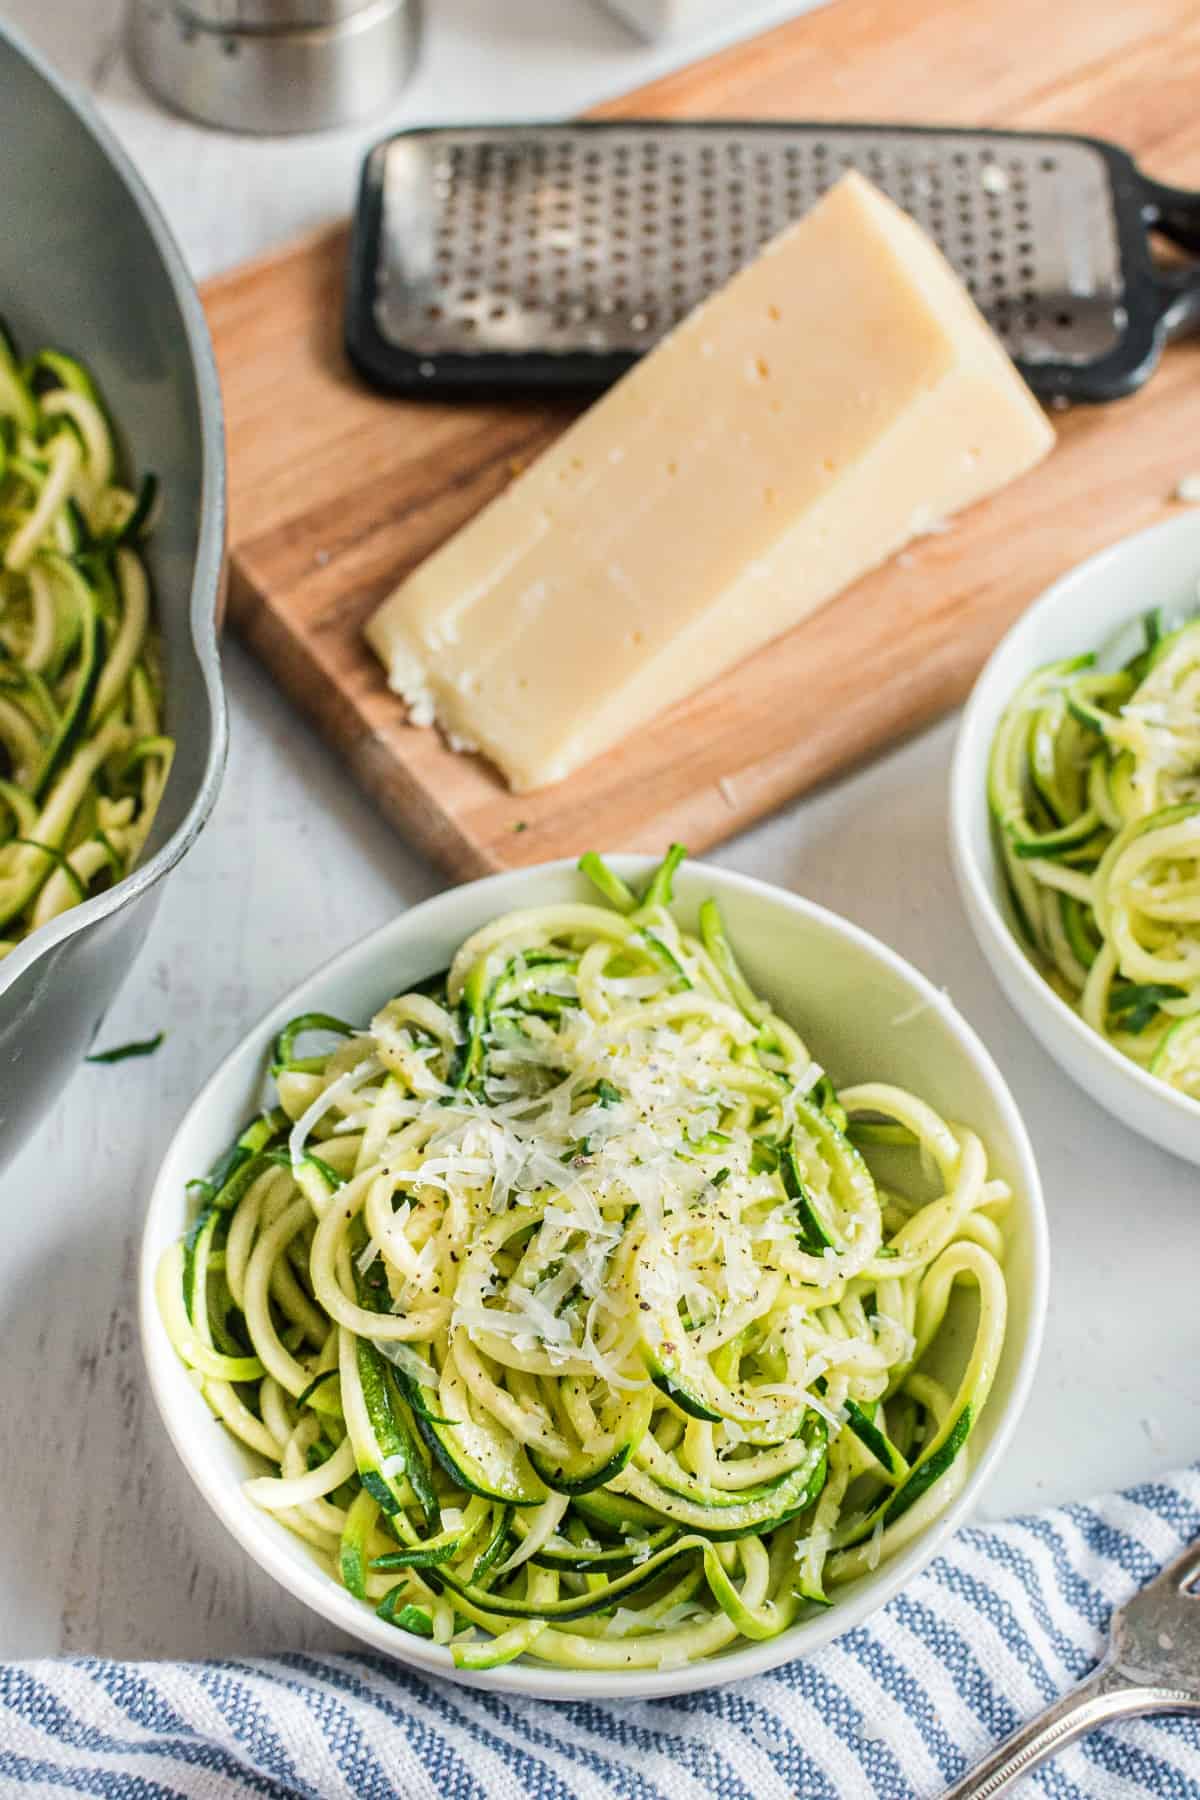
(840,395)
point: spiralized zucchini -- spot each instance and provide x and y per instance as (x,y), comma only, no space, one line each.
(1094,788)
(83,761)
(567,1311)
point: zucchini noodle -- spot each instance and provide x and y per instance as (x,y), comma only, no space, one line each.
(576,1315)
(83,760)
(1094,790)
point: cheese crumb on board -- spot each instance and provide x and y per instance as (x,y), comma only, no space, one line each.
(835,398)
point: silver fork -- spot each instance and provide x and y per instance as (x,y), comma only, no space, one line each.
(1152,1666)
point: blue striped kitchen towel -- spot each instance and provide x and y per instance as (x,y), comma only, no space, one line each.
(1007,1619)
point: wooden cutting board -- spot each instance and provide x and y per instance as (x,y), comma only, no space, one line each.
(336,493)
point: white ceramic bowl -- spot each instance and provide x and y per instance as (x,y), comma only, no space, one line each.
(865,1012)
(1091,604)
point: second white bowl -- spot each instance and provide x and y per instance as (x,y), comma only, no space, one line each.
(1091,604)
(865,1013)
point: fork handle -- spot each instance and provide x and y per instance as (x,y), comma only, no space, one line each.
(1103,1697)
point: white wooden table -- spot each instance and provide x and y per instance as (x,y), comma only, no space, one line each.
(104,1547)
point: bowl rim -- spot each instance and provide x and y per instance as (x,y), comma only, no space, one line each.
(318,1590)
(968,770)
(208,566)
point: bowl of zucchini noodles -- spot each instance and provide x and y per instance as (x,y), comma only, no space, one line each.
(614,1278)
(1075,826)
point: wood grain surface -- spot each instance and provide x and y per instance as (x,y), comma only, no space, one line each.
(337,492)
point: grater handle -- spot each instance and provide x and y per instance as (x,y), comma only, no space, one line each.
(1175,214)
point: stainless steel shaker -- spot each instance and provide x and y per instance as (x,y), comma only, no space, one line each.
(274,65)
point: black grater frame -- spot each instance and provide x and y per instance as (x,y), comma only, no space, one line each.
(1156,301)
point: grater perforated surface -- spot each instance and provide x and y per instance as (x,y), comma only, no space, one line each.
(577,239)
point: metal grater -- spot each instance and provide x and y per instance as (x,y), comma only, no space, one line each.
(505,259)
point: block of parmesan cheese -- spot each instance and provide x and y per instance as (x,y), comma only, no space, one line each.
(838,397)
